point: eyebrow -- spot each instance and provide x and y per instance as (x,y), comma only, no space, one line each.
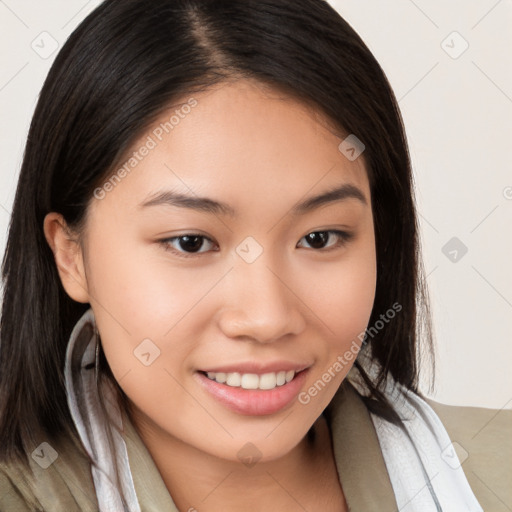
(207,205)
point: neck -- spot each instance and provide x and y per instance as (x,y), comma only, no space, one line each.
(197,480)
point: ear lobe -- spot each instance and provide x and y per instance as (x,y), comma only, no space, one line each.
(68,257)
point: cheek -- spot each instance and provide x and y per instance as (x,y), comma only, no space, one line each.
(150,316)
(344,300)
(137,307)
(342,293)
(132,284)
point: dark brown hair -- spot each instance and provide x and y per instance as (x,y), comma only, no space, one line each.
(123,65)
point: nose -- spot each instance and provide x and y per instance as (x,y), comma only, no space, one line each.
(261,304)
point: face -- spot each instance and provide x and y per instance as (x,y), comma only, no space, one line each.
(257,286)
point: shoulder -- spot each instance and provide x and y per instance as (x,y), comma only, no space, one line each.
(59,479)
(482,441)
(12,495)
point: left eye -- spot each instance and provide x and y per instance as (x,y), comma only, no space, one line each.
(319,239)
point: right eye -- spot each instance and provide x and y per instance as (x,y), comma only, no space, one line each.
(187,245)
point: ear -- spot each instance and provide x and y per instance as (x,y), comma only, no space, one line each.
(68,257)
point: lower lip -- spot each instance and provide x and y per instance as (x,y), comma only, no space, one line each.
(254,402)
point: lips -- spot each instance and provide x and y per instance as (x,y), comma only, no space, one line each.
(254,392)
(254,375)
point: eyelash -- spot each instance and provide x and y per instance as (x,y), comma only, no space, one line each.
(343,238)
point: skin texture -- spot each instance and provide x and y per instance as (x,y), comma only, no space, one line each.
(261,153)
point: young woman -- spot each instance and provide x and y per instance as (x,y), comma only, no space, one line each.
(213,295)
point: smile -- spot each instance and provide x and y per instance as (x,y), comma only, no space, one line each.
(265,381)
(251,393)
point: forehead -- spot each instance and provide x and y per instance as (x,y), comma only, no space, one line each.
(247,145)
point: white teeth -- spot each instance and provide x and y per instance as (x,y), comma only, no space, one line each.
(251,380)
(219,377)
(268,381)
(234,380)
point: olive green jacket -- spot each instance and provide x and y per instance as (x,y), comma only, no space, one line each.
(482,439)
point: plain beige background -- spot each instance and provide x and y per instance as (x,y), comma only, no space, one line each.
(450,67)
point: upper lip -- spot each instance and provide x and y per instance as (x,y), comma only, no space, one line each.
(259,368)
